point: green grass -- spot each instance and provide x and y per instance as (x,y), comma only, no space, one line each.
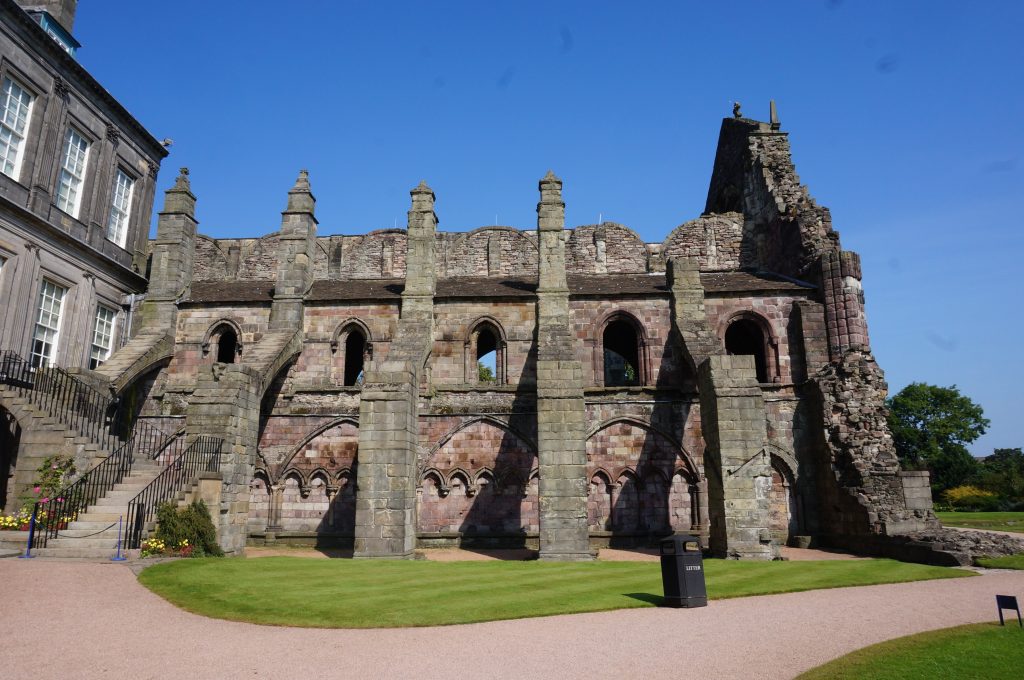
(1008,562)
(985,650)
(1000,521)
(297,591)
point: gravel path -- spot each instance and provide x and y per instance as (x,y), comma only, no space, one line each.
(87,620)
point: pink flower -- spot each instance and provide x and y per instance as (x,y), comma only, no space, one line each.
(60,500)
(53,467)
(35,490)
(44,500)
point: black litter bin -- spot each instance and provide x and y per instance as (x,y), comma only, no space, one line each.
(682,572)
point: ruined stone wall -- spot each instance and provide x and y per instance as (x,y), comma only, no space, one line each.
(862,489)
(659,355)
(193,326)
(451,362)
(606,248)
(490,251)
(478,477)
(716,241)
(772,312)
(322,362)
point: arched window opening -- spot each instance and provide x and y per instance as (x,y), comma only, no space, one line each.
(355,357)
(745,337)
(621,355)
(487,356)
(227,345)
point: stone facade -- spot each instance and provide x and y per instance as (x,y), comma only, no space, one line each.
(69,243)
(562,389)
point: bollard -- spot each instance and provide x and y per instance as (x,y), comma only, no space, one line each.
(119,557)
(31,536)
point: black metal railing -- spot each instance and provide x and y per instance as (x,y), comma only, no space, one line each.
(79,407)
(56,512)
(203,455)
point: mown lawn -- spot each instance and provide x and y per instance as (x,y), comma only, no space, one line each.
(296,591)
(985,650)
(1008,562)
(1000,521)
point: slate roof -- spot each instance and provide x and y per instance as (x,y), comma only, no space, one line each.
(600,285)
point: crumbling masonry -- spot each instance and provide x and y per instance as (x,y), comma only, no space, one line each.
(719,383)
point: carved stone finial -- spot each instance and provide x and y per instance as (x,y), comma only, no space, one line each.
(182,183)
(736,110)
(113,134)
(300,196)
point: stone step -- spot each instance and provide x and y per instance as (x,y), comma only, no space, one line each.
(99,542)
(76,553)
(118,505)
(104,531)
(101,517)
(90,526)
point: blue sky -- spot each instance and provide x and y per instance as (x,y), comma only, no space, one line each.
(906,120)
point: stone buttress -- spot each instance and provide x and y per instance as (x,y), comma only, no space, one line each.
(389,409)
(226,400)
(561,414)
(737,468)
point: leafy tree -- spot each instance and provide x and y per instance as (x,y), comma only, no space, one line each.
(484,373)
(931,427)
(1003,473)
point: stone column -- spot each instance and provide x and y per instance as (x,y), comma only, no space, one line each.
(274,511)
(561,414)
(52,136)
(735,460)
(98,213)
(388,408)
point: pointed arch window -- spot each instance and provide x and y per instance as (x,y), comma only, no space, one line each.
(486,355)
(353,351)
(623,352)
(222,343)
(746,336)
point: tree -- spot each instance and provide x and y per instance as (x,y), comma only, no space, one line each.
(484,373)
(931,427)
(1003,473)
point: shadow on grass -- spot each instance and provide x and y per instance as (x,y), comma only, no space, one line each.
(649,598)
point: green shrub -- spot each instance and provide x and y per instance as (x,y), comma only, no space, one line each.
(969,497)
(190,526)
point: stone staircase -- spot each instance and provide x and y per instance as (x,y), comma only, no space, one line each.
(47,435)
(94,533)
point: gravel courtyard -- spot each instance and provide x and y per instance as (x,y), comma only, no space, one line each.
(93,620)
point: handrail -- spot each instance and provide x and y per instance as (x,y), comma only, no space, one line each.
(79,406)
(203,455)
(56,512)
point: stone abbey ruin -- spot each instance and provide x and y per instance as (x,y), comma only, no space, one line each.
(718,383)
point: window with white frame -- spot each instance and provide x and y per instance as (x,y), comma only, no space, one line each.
(47,331)
(15,111)
(120,208)
(72,172)
(102,336)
